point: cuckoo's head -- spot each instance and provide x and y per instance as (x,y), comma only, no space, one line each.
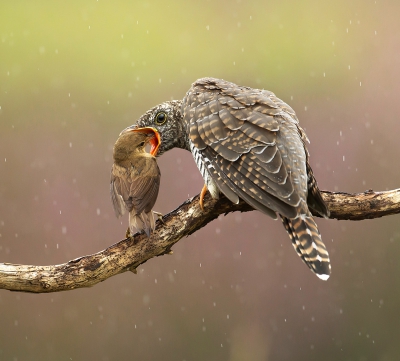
(166,119)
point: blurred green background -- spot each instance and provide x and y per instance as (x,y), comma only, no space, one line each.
(73,74)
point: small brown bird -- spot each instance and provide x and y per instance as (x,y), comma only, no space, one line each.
(135,177)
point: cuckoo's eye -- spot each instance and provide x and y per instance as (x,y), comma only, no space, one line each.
(160,118)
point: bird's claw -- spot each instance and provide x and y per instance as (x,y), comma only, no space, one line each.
(159,216)
(202,195)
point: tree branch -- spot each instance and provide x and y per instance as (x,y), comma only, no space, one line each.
(128,254)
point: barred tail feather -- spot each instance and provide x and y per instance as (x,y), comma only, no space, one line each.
(307,242)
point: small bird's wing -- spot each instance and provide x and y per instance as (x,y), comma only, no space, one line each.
(119,189)
(144,184)
(134,187)
(251,143)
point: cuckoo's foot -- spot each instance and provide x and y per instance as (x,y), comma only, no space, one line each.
(202,194)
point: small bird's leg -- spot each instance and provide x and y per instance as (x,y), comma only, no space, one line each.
(202,194)
(128,233)
(159,216)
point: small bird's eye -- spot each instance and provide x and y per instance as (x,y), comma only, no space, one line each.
(141,144)
(160,118)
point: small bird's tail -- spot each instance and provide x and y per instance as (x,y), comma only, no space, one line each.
(143,221)
(308,244)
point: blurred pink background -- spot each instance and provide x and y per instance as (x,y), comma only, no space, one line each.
(73,75)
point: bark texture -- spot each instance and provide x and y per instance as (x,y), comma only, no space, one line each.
(129,253)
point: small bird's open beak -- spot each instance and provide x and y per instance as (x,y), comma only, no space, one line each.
(155,141)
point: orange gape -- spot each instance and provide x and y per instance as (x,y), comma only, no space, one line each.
(155,141)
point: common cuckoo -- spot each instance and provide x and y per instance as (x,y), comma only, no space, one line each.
(135,178)
(248,144)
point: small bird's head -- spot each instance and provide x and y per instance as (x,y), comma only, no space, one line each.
(132,142)
(166,119)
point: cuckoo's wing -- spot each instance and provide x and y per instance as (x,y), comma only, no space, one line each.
(314,197)
(239,132)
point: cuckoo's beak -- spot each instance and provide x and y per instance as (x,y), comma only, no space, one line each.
(155,140)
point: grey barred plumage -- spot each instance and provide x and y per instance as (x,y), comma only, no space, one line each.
(248,144)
